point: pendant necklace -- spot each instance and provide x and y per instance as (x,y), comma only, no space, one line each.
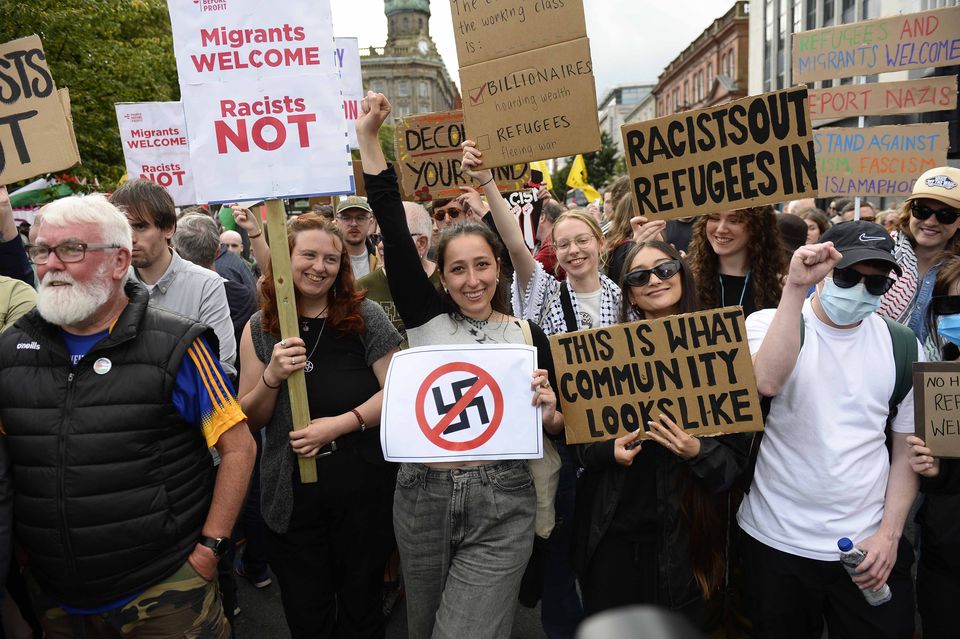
(304,327)
(308,367)
(478,324)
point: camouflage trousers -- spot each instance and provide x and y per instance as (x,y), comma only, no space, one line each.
(183,605)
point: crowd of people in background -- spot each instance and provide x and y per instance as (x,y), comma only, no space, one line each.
(148,427)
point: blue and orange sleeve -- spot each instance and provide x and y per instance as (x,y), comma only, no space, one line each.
(204,396)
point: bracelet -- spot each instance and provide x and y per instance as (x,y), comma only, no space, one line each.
(253,237)
(356,413)
(487,182)
(263,376)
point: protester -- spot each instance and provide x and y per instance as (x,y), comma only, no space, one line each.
(130,543)
(888,219)
(868,212)
(927,231)
(619,239)
(446,212)
(835,207)
(795,206)
(258,242)
(465,530)
(327,541)
(737,259)
(650,515)
(830,366)
(229,262)
(16,299)
(817,223)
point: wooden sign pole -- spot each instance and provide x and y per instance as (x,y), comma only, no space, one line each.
(287,311)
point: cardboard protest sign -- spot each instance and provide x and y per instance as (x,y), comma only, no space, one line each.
(347,58)
(460,403)
(532,105)
(36,133)
(907,41)
(154,139)
(486,30)
(936,406)
(693,368)
(428,154)
(878,160)
(262,100)
(752,151)
(884,98)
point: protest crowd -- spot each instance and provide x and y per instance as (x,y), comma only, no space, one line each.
(196,396)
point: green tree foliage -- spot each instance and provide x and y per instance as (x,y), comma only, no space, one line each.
(104,51)
(603,167)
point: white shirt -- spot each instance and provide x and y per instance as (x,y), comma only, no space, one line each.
(590,309)
(823,466)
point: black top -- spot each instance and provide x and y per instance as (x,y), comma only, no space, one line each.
(636,514)
(731,289)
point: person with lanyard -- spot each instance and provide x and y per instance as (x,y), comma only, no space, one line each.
(650,514)
(938,561)
(927,232)
(737,259)
(465,529)
(327,541)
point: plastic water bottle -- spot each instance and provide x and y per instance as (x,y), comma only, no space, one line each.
(850,557)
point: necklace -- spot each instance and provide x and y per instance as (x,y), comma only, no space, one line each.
(304,327)
(309,365)
(478,324)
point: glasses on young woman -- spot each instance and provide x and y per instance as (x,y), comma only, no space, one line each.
(850,277)
(663,271)
(67,252)
(944,216)
(583,241)
(945,304)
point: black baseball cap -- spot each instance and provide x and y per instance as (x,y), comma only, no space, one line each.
(862,241)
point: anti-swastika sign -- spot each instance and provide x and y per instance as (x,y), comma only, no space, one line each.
(460,403)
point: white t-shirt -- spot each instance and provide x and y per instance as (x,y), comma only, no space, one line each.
(822,469)
(590,308)
(360,264)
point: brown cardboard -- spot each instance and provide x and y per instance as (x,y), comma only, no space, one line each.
(533,105)
(936,406)
(907,41)
(741,165)
(853,162)
(613,380)
(64,96)
(884,98)
(428,156)
(36,136)
(489,29)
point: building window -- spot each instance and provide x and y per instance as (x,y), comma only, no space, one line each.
(377,86)
(403,88)
(811,14)
(849,12)
(828,7)
(403,109)
(709,76)
(732,71)
(424,89)
(686,93)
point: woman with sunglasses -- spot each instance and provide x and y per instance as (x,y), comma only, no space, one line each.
(927,230)
(938,564)
(650,515)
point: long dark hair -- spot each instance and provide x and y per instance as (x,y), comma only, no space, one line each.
(947,276)
(344,314)
(689,301)
(499,301)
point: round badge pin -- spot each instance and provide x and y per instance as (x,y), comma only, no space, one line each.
(102,366)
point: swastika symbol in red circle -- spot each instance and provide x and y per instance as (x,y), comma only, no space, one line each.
(435,433)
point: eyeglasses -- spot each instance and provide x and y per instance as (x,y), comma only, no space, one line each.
(353,219)
(663,271)
(945,304)
(440,214)
(850,277)
(67,252)
(944,216)
(582,241)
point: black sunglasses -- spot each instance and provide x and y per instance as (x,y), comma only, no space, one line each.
(850,277)
(944,216)
(440,214)
(945,304)
(663,271)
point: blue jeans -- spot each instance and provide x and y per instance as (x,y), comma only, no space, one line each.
(465,536)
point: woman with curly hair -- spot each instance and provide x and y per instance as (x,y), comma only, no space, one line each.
(737,259)
(327,541)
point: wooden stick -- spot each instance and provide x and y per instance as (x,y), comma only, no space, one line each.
(287,310)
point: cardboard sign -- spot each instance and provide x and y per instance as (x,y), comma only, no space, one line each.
(748,152)
(532,105)
(486,30)
(908,41)
(878,160)
(693,368)
(36,133)
(884,98)
(347,58)
(460,403)
(154,139)
(936,406)
(428,153)
(262,100)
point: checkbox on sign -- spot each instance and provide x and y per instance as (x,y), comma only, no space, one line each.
(476,95)
(483,142)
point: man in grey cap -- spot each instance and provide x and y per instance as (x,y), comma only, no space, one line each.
(353,219)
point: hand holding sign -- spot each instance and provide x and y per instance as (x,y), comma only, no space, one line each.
(244,219)
(921,458)
(546,399)
(374,110)
(288,356)
(308,441)
(472,203)
(666,433)
(811,263)
(627,447)
(472,162)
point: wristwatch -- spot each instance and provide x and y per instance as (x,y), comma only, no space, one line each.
(219,545)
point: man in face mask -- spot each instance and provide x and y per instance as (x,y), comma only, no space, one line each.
(823,471)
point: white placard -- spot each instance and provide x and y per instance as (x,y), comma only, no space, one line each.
(347,56)
(154,139)
(460,403)
(261,98)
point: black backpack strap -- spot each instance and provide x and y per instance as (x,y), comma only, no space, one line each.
(566,303)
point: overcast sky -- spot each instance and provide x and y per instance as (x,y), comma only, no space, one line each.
(630,40)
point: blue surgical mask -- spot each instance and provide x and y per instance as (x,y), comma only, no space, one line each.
(948,327)
(845,306)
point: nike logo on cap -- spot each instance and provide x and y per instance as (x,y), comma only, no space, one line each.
(869,238)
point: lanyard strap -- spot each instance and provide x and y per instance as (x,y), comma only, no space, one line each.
(723,293)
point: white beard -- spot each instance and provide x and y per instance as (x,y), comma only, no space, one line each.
(72,305)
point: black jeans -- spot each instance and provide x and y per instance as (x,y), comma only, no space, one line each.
(790,597)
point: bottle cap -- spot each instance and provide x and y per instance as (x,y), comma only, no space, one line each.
(845,544)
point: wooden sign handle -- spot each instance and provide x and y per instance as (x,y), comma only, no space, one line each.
(287,310)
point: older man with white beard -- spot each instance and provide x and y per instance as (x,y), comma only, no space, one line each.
(108,406)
